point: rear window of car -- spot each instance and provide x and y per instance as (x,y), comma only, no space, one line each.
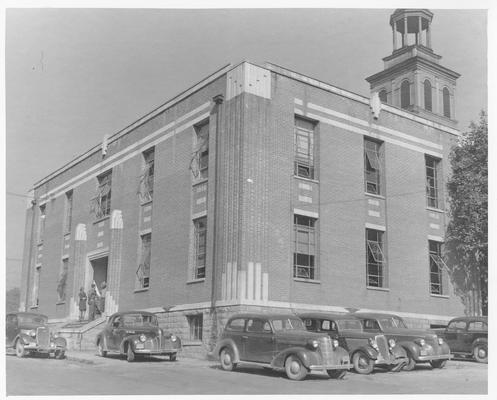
(345,324)
(236,325)
(477,326)
(457,326)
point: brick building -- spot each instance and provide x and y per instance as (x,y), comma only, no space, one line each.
(261,188)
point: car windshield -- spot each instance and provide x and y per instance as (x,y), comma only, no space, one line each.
(138,320)
(32,319)
(392,322)
(344,324)
(288,324)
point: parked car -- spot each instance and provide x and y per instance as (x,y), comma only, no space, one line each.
(136,333)
(420,345)
(28,333)
(280,342)
(366,349)
(467,336)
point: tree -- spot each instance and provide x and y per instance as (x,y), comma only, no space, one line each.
(467,230)
(13,297)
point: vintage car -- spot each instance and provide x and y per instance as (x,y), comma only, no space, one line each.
(28,333)
(420,345)
(366,349)
(467,336)
(280,342)
(136,333)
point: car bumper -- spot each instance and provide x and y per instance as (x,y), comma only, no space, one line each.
(34,347)
(391,361)
(330,366)
(156,352)
(435,357)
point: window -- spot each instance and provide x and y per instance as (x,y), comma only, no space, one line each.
(146,189)
(200,160)
(455,326)
(304,256)
(304,148)
(427,94)
(477,326)
(375,259)
(432,168)
(143,271)
(258,325)
(62,282)
(446,102)
(200,233)
(35,301)
(405,95)
(437,266)
(196,325)
(236,325)
(383,96)
(100,204)
(68,212)
(41,223)
(372,166)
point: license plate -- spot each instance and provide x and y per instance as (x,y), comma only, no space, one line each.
(423,353)
(140,346)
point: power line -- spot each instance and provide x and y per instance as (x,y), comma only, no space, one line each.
(19,195)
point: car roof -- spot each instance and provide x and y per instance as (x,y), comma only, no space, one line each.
(131,312)
(325,315)
(373,315)
(469,319)
(263,315)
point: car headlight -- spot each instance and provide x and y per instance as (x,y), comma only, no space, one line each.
(173,338)
(313,344)
(335,343)
(142,338)
(421,342)
(32,333)
(440,340)
(391,343)
(372,343)
(55,336)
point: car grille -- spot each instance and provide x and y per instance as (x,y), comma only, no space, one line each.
(382,343)
(152,344)
(43,337)
(326,349)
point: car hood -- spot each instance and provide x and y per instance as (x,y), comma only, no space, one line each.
(414,333)
(355,334)
(32,326)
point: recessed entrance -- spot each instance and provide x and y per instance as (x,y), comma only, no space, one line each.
(99,266)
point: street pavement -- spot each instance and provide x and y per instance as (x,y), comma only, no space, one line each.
(87,374)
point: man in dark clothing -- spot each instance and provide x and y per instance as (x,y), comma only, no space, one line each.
(101,304)
(92,302)
(82,303)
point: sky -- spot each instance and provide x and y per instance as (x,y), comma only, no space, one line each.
(74,75)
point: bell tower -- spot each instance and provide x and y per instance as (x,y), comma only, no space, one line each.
(412,78)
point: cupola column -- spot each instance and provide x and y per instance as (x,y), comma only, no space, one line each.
(394,33)
(420,29)
(428,36)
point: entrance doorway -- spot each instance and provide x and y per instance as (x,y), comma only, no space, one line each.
(99,266)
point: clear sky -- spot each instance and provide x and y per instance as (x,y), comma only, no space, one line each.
(74,75)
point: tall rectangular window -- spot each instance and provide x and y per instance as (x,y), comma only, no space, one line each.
(41,223)
(196,326)
(432,171)
(437,267)
(100,204)
(304,148)
(143,271)
(62,282)
(375,259)
(35,301)
(200,160)
(68,212)
(304,255)
(200,233)
(147,178)
(372,166)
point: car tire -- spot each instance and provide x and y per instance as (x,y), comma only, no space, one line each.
(172,357)
(100,349)
(294,368)
(480,352)
(336,373)
(438,363)
(130,354)
(226,357)
(60,354)
(411,363)
(362,363)
(20,350)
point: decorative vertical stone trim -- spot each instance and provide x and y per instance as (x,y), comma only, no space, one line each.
(79,268)
(115,262)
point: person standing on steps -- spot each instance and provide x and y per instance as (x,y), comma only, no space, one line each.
(101,303)
(92,302)
(82,303)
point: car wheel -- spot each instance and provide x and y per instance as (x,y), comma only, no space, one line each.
(336,373)
(438,363)
(226,358)
(20,351)
(130,354)
(100,348)
(172,357)
(294,368)
(362,363)
(411,363)
(480,353)
(60,354)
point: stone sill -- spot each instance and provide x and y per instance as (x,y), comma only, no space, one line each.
(376,196)
(145,203)
(101,219)
(307,280)
(141,290)
(195,281)
(306,179)
(381,289)
(440,296)
(439,210)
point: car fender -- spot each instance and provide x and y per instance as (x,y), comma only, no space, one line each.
(367,350)
(306,356)
(130,340)
(444,348)
(231,345)
(24,338)
(60,342)
(411,348)
(398,351)
(480,340)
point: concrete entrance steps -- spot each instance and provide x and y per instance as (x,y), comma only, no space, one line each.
(81,335)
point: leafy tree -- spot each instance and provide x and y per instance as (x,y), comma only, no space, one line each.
(13,297)
(467,231)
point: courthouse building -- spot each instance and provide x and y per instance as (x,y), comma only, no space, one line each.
(261,188)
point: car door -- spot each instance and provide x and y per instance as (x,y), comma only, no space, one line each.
(454,335)
(114,332)
(259,341)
